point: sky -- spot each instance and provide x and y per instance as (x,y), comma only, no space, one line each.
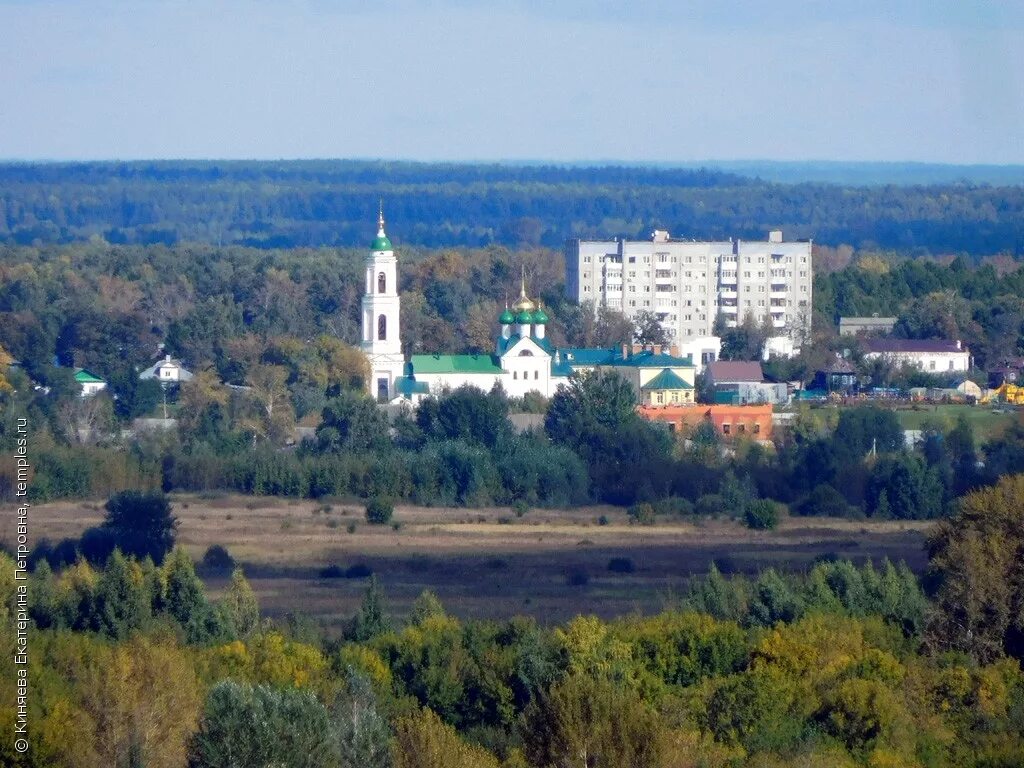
(578,80)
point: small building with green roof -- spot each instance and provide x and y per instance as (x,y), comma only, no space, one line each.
(89,382)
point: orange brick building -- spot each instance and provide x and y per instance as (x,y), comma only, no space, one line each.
(731,421)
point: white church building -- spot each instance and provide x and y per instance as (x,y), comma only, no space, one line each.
(523,359)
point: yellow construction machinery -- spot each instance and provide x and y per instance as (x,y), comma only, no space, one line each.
(1010,394)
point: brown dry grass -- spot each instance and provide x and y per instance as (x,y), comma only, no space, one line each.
(488,563)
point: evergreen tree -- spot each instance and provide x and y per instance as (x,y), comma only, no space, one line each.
(122,604)
(371,620)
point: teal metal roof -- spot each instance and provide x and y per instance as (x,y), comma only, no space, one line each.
(667,379)
(454,364)
(407,385)
(586,356)
(83,376)
(651,360)
(560,368)
(505,344)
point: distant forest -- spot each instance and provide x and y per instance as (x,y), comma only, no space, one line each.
(333,203)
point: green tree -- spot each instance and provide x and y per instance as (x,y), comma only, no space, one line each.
(647,329)
(371,620)
(364,738)
(244,725)
(467,415)
(352,422)
(141,524)
(122,603)
(976,574)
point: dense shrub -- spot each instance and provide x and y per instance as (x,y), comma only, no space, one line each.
(379,511)
(217,558)
(761,514)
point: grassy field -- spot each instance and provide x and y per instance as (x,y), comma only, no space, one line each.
(551,564)
(986,420)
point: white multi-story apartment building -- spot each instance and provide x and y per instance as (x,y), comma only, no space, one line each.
(688,283)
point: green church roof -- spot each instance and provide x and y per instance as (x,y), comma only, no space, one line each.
(454,364)
(667,379)
(507,318)
(381,243)
(524,318)
(540,316)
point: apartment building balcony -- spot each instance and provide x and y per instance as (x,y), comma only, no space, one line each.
(727,280)
(728,293)
(729,310)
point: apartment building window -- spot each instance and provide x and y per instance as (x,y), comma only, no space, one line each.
(632,303)
(586,287)
(632,289)
(586,274)
(647,303)
(746,275)
(803,302)
(586,259)
(803,273)
(689,303)
(647,288)
(803,289)
(760,274)
(632,273)
(632,260)
(662,258)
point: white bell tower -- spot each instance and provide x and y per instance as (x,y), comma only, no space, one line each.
(381,342)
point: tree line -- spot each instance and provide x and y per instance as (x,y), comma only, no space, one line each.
(328,203)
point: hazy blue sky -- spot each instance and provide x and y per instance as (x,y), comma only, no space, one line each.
(934,80)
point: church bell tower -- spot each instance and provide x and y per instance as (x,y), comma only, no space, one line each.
(381,342)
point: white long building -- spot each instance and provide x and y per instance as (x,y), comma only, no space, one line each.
(688,283)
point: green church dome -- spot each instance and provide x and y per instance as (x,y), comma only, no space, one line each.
(540,316)
(507,318)
(381,243)
(524,318)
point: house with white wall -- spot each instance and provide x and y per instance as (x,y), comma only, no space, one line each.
(928,355)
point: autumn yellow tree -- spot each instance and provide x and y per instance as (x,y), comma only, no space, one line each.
(423,741)
(976,572)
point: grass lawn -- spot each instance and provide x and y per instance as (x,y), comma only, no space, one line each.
(986,420)
(488,563)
